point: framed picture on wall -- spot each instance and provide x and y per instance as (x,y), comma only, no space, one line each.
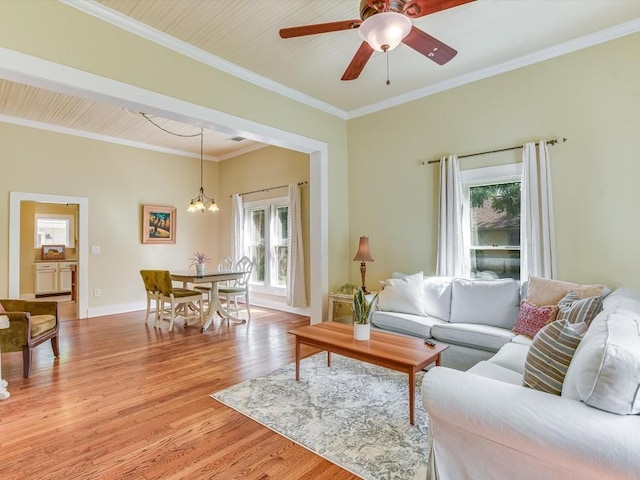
(53,252)
(158,224)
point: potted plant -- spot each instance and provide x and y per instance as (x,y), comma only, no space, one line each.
(199,259)
(361,313)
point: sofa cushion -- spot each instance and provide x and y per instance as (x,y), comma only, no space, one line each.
(489,302)
(623,297)
(532,318)
(437,297)
(605,370)
(484,337)
(403,295)
(522,340)
(575,309)
(512,356)
(496,372)
(550,354)
(543,291)
(414,325)
(41,324)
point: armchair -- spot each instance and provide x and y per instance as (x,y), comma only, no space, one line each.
(31,323)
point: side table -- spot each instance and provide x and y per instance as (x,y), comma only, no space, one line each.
(338,298)
(4,393)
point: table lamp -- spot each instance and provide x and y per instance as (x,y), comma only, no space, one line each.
(363,255)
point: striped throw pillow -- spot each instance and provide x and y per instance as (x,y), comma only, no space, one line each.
(550,355)
(575,309)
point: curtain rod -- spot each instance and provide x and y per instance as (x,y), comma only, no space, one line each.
(548,142)
(269,189)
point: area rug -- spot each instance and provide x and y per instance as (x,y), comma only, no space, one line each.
(354,414)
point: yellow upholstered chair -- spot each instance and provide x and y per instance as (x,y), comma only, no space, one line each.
(153,294)
(240,287)
(31,323)
(167,294)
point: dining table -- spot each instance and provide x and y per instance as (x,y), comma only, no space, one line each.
(211,278)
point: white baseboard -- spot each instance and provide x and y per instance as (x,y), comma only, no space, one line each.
(115,309)
(132,307)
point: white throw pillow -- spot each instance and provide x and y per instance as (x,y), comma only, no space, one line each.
(490,302)
(605,370)
(437,297)
(403,295)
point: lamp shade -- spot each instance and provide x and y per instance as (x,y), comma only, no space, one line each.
(363,254)
(384,31)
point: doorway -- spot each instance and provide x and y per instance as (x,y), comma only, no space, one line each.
(15,202)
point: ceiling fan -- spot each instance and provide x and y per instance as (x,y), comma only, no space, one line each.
(383,25)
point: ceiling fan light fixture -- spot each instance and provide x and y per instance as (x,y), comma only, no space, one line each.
(385,31)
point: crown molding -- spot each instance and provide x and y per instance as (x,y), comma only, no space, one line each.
(104,138)
(133,26)
(119,20)
(570,46)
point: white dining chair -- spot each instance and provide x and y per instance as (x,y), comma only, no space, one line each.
(239,288)
(225,265)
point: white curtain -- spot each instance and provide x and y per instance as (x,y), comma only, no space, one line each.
(237,227)
(296,290)
(453,228)
(536,228)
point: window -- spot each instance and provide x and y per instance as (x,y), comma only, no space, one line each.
(54,230)
(492,200)
(267,243)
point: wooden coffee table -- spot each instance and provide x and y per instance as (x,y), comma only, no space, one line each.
(404,354)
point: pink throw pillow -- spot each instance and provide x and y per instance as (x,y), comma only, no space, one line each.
(2,310)
(532,318)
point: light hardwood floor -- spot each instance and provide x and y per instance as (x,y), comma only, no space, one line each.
(127,401)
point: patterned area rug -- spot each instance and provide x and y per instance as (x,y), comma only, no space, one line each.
(354,414)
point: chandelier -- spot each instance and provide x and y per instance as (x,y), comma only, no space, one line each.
(201,201)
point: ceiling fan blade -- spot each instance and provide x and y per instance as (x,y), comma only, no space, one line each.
(420,8)
(429,46)
(319,28)
(358,62)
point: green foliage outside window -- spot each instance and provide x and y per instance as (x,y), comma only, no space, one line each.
(505,197)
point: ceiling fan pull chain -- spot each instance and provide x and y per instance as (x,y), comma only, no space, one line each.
(387,55)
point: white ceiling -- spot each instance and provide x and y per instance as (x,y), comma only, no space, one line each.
(241,37)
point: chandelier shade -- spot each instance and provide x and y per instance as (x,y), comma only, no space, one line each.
(201,201)
(385,31)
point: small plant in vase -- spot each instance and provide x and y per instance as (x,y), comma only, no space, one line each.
(361,312)
(199,259)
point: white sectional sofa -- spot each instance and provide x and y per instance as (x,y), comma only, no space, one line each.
(486,425)
(474,317)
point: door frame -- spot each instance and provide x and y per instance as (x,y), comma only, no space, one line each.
(15,200)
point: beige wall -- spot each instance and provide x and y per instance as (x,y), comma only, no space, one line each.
(118,181)
(592,97)
(88,44)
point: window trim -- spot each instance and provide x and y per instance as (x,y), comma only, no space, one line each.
(267,204)
(70,243)
(476,177)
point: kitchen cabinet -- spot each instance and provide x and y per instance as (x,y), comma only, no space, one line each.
(52,277)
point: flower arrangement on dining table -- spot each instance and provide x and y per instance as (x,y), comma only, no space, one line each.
(199,259)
